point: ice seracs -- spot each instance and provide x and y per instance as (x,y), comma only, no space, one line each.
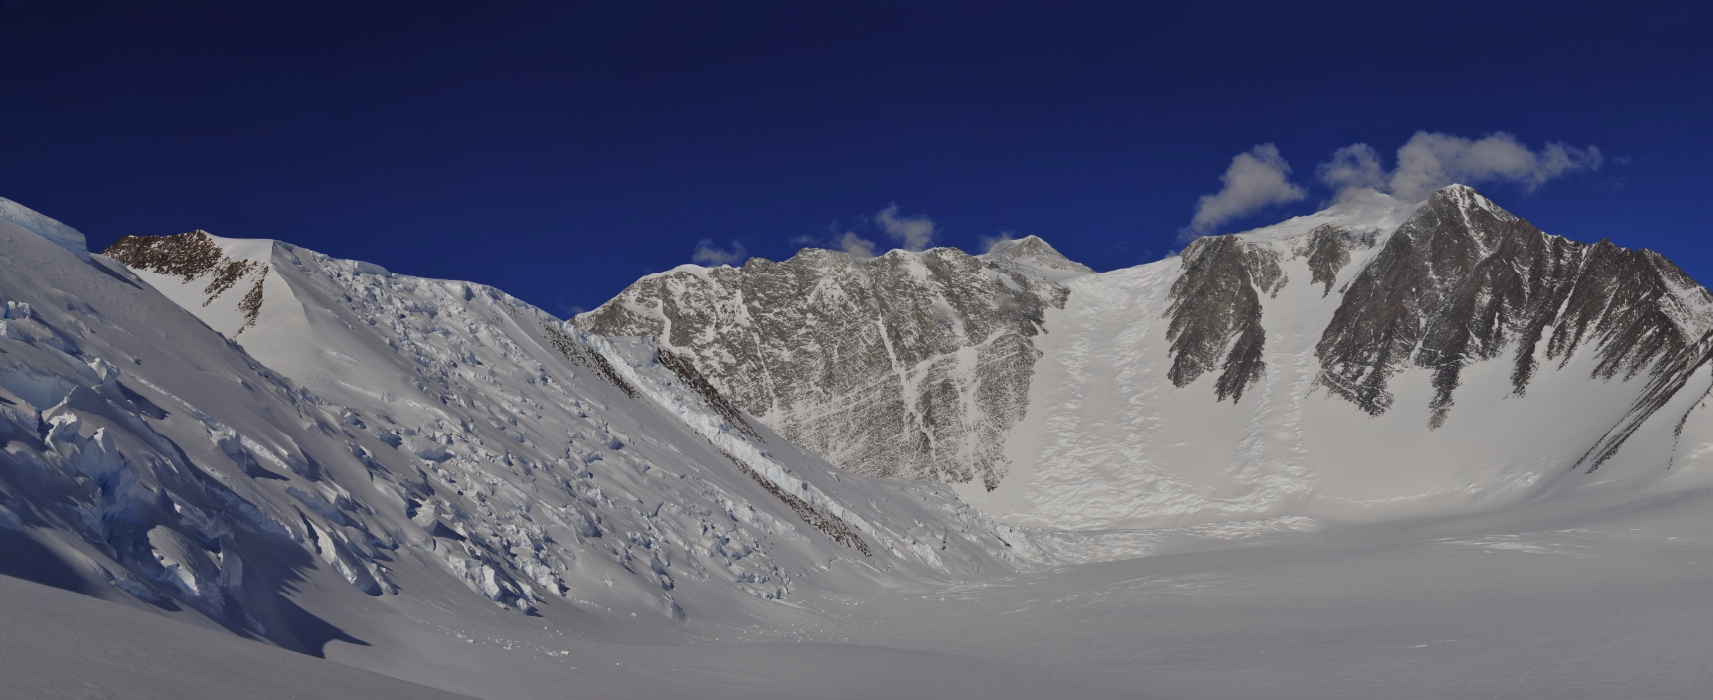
(346,436)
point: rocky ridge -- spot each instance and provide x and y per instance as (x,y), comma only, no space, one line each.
(909,364)
(813,347)
(192,256)
(1463,281)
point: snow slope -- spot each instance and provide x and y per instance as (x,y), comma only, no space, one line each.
(35,222)
(55,643)
(1538,601)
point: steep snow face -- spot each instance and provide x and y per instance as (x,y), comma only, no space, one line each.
(910,364)
(35,222)
(431,440)
(195,257)
(1378,359)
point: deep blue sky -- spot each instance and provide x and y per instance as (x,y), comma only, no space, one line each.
(560,150)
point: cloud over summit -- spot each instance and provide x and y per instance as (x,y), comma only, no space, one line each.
(1431,160)
(711,255)
(855,246)
(1253,181)
(1428,161)
(914,233)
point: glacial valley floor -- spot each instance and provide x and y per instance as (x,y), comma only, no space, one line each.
(1534,603)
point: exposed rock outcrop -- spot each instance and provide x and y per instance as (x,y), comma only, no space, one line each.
(920,365)
(1464,281)
(192,256)
(1216,310)
(908,364)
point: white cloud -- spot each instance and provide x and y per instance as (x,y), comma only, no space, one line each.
(1352,168)
(1429,161)
(1255,180)
(857,246)
(709,254)
(852,244)
(913,232)
(988,243)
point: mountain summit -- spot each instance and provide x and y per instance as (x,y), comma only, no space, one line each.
(1376,359)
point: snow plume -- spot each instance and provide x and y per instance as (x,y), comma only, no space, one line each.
(1429,161)
(852,244)
(1353,168)
(709,254)
(856,246)
(1256,179)
(915,233)
(989,243)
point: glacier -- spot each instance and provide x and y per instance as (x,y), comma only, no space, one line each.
(236,449)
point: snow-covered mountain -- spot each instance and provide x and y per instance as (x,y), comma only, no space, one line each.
(433,481)
(290,445)
(1378,359)
(911,365)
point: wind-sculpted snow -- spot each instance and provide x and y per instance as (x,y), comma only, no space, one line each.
(416,432)
(35,222)
(910,364)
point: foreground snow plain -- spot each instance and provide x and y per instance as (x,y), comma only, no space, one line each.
(1555,603)
(1588,592)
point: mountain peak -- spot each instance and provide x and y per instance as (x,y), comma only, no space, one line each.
(1464,197)
(228,264)
(1033,253)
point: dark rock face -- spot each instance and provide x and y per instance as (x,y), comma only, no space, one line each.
(909,365)
(1672,373)
(1394,304)
(1328,251)
(1463,281)
(686,370)
(1216,306)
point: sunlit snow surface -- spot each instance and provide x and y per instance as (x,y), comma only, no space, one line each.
(406,477)
(1578,604)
